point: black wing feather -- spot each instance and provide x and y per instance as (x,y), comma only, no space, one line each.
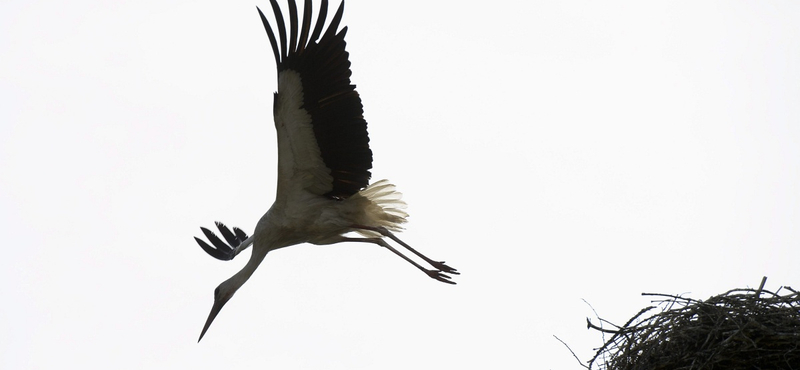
(293,27)
(281,24)
(305,27)
(213,252)
(241,236)
(227,234)
(271,36)
(220,250)
(337,18)
(323,12)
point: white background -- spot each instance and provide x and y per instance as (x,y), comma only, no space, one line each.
(551,151)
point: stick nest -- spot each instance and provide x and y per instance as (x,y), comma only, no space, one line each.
(739,329)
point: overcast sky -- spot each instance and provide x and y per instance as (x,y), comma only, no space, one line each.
(553,152)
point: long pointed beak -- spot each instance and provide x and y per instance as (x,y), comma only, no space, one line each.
(218,303)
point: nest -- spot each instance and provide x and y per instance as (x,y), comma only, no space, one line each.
(739,329)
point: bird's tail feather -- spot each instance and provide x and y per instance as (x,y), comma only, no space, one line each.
(390,207)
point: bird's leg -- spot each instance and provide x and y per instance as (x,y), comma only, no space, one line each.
(435,274)
(383,231)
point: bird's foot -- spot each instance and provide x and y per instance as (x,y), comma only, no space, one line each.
(444,268)
(438,275)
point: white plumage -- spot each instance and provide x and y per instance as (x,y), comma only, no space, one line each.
(323,158)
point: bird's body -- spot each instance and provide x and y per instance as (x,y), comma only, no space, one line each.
(323,159)
(303,217)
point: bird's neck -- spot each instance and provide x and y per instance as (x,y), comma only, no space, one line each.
(244,274)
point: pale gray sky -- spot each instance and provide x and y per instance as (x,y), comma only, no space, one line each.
(551,151)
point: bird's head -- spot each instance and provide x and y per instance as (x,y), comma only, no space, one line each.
(222,295)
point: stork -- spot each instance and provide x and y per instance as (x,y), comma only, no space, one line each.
(324,159)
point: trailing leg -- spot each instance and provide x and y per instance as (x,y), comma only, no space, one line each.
(435,274)
(383,231)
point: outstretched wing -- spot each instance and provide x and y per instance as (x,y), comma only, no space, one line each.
(237,241)
(323,146)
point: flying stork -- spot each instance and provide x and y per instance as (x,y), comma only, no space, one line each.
(324,159)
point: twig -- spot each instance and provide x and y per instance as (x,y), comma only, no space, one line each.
(760,287)
(570,350)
